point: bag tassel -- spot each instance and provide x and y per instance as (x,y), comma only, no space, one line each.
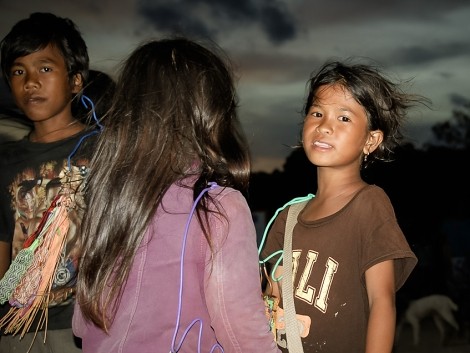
(33,271)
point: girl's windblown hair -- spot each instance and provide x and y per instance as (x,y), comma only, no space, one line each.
(385,102)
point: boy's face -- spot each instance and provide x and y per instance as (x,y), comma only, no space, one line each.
(41,87)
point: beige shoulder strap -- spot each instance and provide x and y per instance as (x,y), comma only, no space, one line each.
(294,343)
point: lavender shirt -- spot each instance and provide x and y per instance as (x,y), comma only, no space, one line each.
(221,291)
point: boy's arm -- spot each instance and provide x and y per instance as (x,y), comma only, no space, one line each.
(380,284)
(5,257)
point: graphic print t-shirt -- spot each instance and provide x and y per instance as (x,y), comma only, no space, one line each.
(330,257)
(31,175)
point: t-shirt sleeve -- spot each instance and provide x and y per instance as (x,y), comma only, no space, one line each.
(385,240)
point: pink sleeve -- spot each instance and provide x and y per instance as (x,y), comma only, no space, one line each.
(233,289)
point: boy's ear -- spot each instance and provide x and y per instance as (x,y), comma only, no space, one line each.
(373,141)
(77,83)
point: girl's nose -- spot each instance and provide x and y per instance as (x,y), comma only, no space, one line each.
(324,128)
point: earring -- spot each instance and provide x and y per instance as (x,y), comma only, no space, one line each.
(365,157)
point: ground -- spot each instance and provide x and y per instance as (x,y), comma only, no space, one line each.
(430,340)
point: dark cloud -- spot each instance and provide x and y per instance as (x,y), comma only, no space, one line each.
(173,18)
(419,54)
(236,10)
(209,18)
(338,12)
(459,100)
(277,22)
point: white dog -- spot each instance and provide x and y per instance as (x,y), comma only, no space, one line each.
(439,307)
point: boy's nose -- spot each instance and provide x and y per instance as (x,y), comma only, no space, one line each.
(31,81)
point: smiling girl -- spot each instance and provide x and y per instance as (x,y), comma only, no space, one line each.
(349,254)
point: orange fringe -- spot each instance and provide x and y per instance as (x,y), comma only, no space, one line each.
(21,319)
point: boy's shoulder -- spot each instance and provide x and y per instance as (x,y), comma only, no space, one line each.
(11,149)
(13,128)
(24,151)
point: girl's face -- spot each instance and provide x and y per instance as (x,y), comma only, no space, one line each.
(335,132)
(41,87)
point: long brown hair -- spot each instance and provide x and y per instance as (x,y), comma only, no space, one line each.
(174,114)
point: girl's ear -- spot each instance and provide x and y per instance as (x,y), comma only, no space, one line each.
(77,83)
(373,141)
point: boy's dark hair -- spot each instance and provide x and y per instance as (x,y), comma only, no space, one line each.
(384,102)
(37,32)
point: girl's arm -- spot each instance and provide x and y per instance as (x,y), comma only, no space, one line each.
(380,284)
(274,287)
(233,287)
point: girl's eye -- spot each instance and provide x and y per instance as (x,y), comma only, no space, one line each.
(344,118)
(46,69)
(315,114)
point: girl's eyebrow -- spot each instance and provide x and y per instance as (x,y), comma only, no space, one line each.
(320,105)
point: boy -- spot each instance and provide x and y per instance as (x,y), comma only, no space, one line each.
(44,61)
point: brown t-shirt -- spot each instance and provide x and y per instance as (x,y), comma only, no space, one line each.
(330,258)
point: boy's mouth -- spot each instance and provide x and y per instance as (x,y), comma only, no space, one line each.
(33,100)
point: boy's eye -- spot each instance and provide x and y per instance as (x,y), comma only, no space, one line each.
(17,72)
(46,69)
(344,118)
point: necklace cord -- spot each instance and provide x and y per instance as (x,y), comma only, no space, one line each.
(174,349)
(85,100)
